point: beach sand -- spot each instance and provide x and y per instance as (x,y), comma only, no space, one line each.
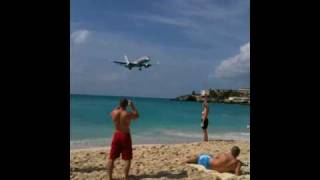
(162,161)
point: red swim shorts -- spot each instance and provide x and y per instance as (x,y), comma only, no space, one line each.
(121,144)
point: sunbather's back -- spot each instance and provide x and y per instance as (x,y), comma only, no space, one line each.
(224,162)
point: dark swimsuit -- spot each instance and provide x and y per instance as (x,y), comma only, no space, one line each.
(205,124)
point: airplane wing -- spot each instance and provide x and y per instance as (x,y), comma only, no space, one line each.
(119,62)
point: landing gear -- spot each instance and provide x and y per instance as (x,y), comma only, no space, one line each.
(129,68)
(139,69)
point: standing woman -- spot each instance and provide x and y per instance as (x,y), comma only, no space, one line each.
(204,119)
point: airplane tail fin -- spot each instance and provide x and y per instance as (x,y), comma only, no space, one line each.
(126,59)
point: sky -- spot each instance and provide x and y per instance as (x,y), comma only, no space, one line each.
(193,45)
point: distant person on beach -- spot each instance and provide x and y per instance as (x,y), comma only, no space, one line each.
(223,162)
(204,119)
(121,141)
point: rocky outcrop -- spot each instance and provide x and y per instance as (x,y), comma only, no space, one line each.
(186,98)
(219,96)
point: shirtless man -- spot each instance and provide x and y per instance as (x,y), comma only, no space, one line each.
(121,141)
(224,162)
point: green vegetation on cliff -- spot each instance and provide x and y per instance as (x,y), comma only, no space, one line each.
(224,96)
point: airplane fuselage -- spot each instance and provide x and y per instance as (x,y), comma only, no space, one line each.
(141,62)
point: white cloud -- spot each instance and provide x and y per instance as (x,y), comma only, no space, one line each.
(235,66)
(205,9)
(166,20)
(200,19)
(80,36)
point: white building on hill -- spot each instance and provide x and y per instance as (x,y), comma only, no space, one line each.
(205,92)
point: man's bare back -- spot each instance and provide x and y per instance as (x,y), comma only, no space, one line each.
(225,162)
(121,119)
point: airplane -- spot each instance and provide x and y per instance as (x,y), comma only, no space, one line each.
(141,62)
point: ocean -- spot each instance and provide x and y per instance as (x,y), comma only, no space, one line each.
(161,121)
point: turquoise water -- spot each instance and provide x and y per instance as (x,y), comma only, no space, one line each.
(161,121)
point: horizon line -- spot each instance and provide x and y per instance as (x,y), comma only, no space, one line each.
(120,96)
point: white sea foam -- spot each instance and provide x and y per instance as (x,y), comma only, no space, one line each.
(87,143)
(182,134)
(224,136)
(164,136)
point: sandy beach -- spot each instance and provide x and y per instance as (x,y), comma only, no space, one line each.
(162,161)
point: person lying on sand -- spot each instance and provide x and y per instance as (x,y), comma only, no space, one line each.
(223,162)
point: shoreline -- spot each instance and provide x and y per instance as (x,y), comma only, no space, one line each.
(104,147)
(105,142)
(213,102)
